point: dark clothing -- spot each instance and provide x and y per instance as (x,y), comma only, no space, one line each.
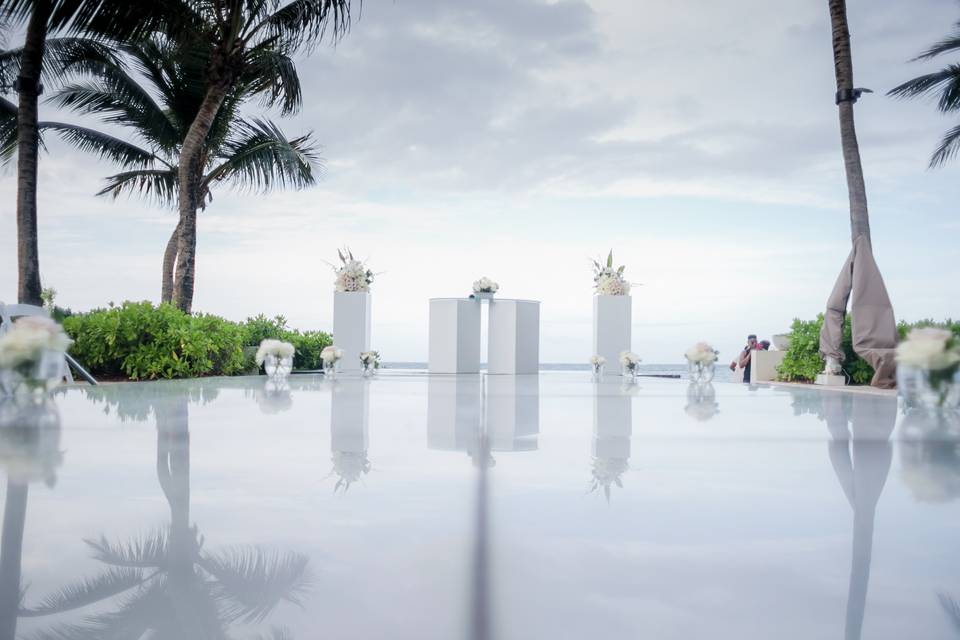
(746,369)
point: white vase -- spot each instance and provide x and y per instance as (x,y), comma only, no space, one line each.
(701,373)
(612,317)
(931,389)
(351,326)
(277,367)
(38,377)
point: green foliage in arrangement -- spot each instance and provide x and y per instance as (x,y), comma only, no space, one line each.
(802,361)
(308,344)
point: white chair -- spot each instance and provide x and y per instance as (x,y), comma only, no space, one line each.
(10,312)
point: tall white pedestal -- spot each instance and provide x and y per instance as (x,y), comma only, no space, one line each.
(513,413)
(612,425)
(454,336)
(350,416)
(612,317)
(351,326)
(513,346)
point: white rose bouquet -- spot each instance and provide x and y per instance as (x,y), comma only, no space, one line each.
(330,356)
(935,354)
(31,353)
(702,354)
(630,362)
(370,360)
(485,285)
(597,363)
(608,281)
(352,274)
(276,357)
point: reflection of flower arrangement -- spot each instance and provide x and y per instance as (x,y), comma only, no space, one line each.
(606,473)
(630,362)
(934,354)
(275,396)
(485,285)
(276,348)
(349,466)
(33,350)
(702,353)
(930,455)
(352,275)
(370,359)
(701,402)
(331,354)
(30,441)
(609,281)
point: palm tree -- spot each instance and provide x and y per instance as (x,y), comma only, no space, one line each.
(247,49)
(118,18)
(846,96)
(251,154)
(946,83)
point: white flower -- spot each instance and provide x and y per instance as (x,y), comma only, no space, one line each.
(370,357)
(276,348)
(928,349)
(28,338)
(485,285)
(702,353)
(331,354)
(597,360)
(629,359)
(612,285)
(352,275)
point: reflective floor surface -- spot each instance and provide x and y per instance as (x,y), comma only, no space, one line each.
(443,507)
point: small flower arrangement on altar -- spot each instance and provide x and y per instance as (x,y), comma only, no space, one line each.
(32,355)
(702,360)
(330,356)
(352,275)
(276,357)
(485,288)
(928,362)
(597,362)
(608,281)
(630,363)
(370,361)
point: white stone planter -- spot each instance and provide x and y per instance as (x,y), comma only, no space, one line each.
(612,317)
(351,326)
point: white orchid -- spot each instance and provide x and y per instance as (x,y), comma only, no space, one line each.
(485,285)
(276,348)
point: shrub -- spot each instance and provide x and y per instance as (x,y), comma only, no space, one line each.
(308,344)
(138,340)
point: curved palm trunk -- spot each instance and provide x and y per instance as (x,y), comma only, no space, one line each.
(843,66)
(11,553)
(188,173)
(169,265)
(28,255)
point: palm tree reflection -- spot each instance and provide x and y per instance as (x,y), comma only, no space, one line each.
(165,584)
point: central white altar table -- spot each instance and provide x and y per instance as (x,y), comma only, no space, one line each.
(513,341)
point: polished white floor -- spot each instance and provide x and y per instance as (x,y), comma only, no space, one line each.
(442,507)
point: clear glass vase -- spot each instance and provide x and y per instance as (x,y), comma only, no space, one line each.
(937,389)
(630,372)
(368,369)
(330,368)
(36,377)
(597,369)
(277,366)
(700,372)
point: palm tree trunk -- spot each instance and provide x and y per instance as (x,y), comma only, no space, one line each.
(11,554)
(188,172)
(169,265)
(843,66)
(28,255)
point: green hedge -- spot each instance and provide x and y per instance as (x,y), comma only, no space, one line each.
(802,361)
(140,341)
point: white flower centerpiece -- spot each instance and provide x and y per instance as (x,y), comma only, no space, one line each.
(597,363)
(370,361)
(32,356)
(330,356)
(484,288)
(352,275)
(609,281)
(630,364)
(701,361)
(276,357)
(928,362)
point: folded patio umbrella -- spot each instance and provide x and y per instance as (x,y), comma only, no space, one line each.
(873,323)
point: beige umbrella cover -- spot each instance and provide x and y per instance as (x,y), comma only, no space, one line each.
(873,323)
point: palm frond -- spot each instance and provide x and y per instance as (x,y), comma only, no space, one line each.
(948,149)
(63,59)
(260,157)
(146,552)
(276,633)
(105,146)
(952,608)
(8,130)
(251,581)
(273,74)
(306,22)
(946,82)
(157,185)
(86,592)
(950,43)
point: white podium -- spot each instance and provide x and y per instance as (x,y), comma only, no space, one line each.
(513,344)
(612,317)
(351,326)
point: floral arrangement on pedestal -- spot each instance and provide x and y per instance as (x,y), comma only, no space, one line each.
(928,362)
(32,356)
(597,362)
(276,357)
(608,281)
(330,356)
(630,363)
(485,288)
(352,275)
(701,360)
(370,361)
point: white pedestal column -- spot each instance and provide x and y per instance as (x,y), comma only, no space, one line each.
(513,344)
(454,336)
(513,412)
(351,326)
(612,317)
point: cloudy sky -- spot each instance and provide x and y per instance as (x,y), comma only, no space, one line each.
(519,138)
